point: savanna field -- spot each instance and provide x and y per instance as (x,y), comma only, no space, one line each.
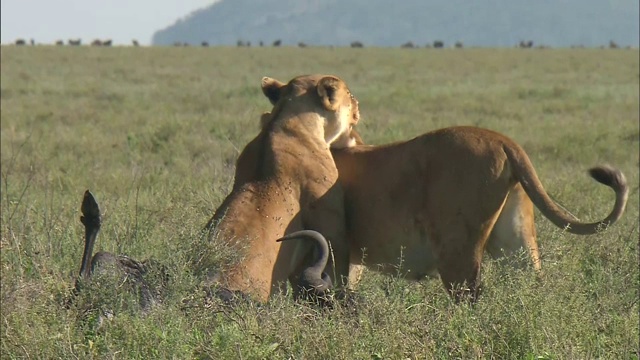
(154,134)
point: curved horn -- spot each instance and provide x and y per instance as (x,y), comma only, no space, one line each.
(313,277)
(91,220)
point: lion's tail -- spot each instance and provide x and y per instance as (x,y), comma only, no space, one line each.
(605,174)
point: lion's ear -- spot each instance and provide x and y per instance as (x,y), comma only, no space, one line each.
(329,90)
(271,88)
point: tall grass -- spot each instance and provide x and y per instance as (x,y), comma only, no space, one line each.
(154,133)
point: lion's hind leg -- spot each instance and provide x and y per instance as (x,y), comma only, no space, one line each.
(515,233)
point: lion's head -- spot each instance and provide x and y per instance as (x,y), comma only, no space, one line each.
(325,95)
(342,134)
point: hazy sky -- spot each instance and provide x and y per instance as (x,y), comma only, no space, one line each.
(121,20)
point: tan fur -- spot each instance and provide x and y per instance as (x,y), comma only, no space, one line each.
(436,201)
(513,234)
(289,186)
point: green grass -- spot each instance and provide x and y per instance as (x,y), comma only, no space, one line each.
(154,133)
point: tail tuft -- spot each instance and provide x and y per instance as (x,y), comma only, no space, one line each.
(610,176)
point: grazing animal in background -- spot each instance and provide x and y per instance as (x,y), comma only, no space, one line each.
(613,44)
(302,45)
(33,42)
(438,201)
(277,43)
(438,44)
(20,42)
(134,42)
(357,44)
(291,186)
(77,42)
(458,45)
(204,44)
(96,42)
(261,43)
(525,44)
(107,42)
(59,42)
(408,45)
(133,272)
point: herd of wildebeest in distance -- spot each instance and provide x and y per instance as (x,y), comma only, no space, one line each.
(437,44)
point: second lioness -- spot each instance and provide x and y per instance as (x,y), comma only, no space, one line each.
(437,201)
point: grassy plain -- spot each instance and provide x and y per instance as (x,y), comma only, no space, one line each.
(154,133)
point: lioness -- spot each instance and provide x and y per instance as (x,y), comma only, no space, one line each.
(435,203)
(291,186)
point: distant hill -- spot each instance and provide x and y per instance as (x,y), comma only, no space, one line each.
(557,23)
